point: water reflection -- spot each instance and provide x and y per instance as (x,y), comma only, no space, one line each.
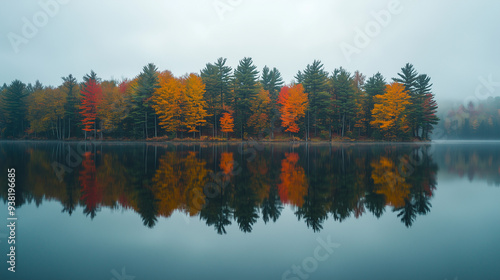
(225,184)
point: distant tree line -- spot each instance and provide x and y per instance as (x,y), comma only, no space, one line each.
(480,120)
(223,102)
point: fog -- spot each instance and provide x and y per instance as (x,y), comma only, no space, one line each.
(454,42)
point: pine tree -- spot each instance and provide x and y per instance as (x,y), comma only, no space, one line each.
(217,79)
(14,107)
(408,77)
(343,90)
(246,89)
(272,82)
(70,88)
(315,82)
(147,83)
(374,86)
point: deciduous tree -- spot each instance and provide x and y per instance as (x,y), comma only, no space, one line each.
(390,111)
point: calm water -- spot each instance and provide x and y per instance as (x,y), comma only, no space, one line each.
(281,211)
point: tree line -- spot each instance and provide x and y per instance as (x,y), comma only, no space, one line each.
(222,102)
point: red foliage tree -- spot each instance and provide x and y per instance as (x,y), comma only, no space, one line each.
(91,96)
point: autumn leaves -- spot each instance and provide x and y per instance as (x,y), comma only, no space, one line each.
(222,102)
(294,103)
(179,102)
(389,112)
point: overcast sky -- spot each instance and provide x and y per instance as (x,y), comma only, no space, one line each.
(455,42)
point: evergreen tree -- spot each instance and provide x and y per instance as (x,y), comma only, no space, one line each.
(408,77)
(272,82)
(315,80)
(14,108)
(425,106)
(375,85)
(343,90)
(142,113)
(246,89)
(217,79)
(70,87)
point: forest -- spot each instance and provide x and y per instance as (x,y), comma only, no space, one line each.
(222,103)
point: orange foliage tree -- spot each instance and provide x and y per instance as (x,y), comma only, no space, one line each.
(294,102)
(227,122)
(389,113)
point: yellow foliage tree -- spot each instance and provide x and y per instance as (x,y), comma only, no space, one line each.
(194,104)
(167,102)
(389,112)
(46,109)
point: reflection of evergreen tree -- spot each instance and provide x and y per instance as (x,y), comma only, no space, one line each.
(314,210)
(71,200)
(245,200)
(423,183)
(271,206)
(346,192)
(245,210)
(407,213)
(141,174)
(217,212)
(147,206)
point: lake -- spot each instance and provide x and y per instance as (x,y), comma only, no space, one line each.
(252,211)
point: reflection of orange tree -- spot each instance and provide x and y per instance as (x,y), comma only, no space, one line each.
(92,192)
(389,182)
(226,163)
(293,186)
(178,184)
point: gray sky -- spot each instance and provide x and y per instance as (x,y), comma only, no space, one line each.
(455,42)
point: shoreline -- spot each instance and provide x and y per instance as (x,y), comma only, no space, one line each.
(316,142)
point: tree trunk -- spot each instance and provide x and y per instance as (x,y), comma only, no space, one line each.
(156,129)
(343,124)
(146,123)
